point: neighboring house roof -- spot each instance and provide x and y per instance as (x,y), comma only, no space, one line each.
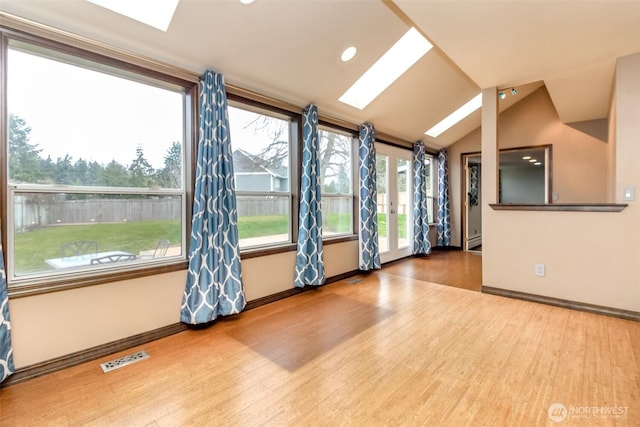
(245,162)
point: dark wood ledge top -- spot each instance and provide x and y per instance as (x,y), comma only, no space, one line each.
(569,207)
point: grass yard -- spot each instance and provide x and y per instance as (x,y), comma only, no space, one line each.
(258,226)
(31,248)
(402,225)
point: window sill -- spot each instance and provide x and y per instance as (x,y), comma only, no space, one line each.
(330,240)
(291,247)
(63,284)
(264,251)
(565,207)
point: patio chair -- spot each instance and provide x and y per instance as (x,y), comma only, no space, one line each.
(161,248)
(109,259)
(79,247)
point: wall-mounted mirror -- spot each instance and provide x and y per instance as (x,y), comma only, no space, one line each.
(525,175)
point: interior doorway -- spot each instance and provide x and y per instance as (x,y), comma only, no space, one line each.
(472,202)
(395,202)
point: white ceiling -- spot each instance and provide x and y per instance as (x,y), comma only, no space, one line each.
(290,50)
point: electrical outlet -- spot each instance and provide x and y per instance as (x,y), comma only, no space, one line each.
(540,270)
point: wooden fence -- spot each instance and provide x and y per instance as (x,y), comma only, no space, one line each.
(51,212)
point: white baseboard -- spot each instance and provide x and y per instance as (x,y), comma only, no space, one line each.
(474,241)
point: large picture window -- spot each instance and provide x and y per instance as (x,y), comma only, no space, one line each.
(95,166)
(336,181)
(261,143)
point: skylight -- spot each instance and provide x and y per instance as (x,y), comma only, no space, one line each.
(456,116)
(399,58)
(156,13)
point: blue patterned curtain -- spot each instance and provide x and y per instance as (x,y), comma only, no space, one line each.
(214,280)
(444,220)
(473,185)
(309,261)
(369,252)
(6,352)
(421,243)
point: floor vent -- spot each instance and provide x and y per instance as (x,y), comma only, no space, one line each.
(123,361)
(354,281)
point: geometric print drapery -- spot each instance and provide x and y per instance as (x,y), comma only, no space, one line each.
(6,351)
(214,279)
(444,218)
(473,185)
(368,226)
(421,243)
(309,257)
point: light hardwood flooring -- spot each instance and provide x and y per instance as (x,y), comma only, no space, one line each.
(393,349)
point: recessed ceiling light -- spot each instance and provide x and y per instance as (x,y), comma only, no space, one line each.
(392,64)
(348,54)
(537,163)
(532,160)
(247,1)
(456,116)
(157,15)
(526,157)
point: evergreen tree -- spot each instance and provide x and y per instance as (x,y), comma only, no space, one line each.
(94,173)
(63,172)
(141,173)
(170,176)
(24,157)
(114,175)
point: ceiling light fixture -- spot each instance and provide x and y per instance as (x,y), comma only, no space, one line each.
(246,1)
(526,157)
(348,54)
(392,64)
(532,161)
(502,95)
(158,16)
(456,116)
(537,163)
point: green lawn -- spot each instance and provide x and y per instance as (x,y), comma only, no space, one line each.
(258,226)
(402,225)
(337,223)
(33,247)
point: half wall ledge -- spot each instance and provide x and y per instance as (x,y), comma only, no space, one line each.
(567,207)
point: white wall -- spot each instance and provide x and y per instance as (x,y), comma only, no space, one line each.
(580,171)
(590,257)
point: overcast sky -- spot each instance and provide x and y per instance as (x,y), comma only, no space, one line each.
(75,111)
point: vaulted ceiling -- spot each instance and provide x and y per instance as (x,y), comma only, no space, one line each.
(290,50)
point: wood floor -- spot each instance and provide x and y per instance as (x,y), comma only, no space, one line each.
(393,349)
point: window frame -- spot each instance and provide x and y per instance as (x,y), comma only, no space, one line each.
(295,135)
(44,283)
(339,237)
